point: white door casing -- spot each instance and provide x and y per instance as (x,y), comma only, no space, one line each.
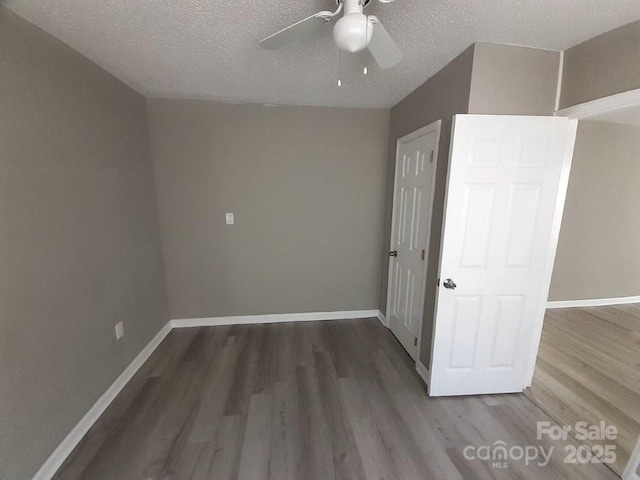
(416,159)
(506,188)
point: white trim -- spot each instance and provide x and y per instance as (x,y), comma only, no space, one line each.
(631,471)
(383,319)
(278,318)
(436,149)
(597,302)
(559,86)
(60,454)
(432,127)
(422,371)
(602,105)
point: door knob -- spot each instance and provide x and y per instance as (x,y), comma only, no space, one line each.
(393,253)
(450,284)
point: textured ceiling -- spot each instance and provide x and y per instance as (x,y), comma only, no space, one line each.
(209,48)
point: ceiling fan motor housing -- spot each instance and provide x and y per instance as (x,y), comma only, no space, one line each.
(364,2)
(352,33)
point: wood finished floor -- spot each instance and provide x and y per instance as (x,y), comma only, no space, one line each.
(588,369)
(321,400)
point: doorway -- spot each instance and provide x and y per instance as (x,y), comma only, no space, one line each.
(415,173)
(587,368)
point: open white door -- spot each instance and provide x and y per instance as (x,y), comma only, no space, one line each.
(507,183)
(416,157)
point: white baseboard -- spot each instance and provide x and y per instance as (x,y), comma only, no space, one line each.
(60,454)
(599,302)
(383,319)
(422,371)
(631,471)
(279,318)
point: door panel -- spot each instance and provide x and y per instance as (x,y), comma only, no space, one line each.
(508,323)
(477,225)
(502,209)
(465,323)
(523,217)
(415,174)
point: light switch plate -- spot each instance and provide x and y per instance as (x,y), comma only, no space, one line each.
(230,219)
(119,330)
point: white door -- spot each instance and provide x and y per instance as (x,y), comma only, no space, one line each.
(416,157)
(505,196)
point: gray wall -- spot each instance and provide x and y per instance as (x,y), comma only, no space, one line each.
(307,189)
(603,66)
(79,240)
(442,96)
(509,80)
(599,248)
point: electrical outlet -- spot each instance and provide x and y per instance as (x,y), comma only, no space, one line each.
(119,330)
(230,218)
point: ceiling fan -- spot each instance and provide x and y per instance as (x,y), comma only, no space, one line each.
(354,32)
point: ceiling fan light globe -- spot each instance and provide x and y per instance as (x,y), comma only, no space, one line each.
(352,33)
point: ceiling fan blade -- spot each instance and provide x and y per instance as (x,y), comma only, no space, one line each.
(305,29)
(382,47)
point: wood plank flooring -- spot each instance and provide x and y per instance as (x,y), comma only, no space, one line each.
(588,369)
(319,400)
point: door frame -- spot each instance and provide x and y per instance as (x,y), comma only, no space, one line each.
(432,127)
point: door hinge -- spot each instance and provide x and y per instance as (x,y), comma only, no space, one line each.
(415,341)
(431,157)
(424,252)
